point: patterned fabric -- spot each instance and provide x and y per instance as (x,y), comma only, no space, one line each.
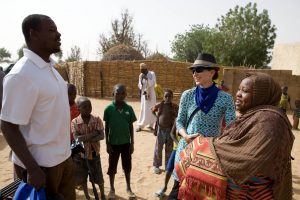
(80,128)
(258,142)
(200,174)
(255,188)
(265,90)
(208,124)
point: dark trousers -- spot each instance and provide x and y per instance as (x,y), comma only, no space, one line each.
(174,192)
(113,159)
(59,180)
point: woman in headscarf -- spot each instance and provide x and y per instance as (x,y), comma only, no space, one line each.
(202,108)
(252,158)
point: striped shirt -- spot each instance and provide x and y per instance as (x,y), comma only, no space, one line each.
(78,128)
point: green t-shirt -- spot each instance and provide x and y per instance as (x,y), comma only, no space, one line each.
(119,122)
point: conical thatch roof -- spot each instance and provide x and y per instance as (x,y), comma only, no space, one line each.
(122,52)
(157,56)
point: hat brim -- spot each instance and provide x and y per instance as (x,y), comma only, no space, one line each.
(194,66)
(203,63)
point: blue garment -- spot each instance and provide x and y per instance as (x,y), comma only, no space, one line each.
(171,161)
(208,124)
(205,97)
(26,191)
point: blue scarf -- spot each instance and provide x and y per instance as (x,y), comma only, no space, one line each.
(205,97)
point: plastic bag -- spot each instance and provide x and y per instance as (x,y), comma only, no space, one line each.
(26,191)
(159,91)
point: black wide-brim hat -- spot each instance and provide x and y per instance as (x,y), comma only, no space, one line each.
(205,60)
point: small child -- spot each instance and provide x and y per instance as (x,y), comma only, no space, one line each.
(166,112)
(171,162)
(119,118)
(88,129)
(285,99)
(296,114)
(73,107)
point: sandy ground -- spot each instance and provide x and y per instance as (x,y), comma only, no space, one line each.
(143,181)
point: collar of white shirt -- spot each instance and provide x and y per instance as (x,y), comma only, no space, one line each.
(37,60)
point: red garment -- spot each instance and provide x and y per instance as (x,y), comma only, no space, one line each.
(200,174)
(74,113)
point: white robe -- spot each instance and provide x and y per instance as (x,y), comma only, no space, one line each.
(146,115)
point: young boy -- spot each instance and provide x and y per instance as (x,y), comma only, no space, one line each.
(170,166)
(166,112)
(73,107)
(88,129)
(119,118)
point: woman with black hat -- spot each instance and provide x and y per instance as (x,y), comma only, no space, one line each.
(202,108)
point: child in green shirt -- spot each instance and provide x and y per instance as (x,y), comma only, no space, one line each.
(119,118)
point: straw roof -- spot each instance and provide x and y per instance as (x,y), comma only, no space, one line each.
(157,56)
(122,52)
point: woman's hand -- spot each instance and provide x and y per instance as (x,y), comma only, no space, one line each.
(190,138)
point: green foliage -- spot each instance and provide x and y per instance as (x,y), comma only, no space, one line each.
(20,51)
(4,54)
(123,33)
(248,37)
(75,54)
(243,37)
(187,46)
(59,55)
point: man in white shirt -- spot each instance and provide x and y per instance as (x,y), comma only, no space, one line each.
(147,81)
(35,117)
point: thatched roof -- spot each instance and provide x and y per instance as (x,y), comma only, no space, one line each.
(122,52)
(157,56)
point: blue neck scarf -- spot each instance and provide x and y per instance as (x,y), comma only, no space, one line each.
(205,97)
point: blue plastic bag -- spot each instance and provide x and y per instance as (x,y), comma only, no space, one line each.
(27,192)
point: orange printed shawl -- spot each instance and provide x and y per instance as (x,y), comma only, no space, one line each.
(200,175)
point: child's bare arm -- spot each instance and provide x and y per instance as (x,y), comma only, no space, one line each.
(97,135)
(132,139)
(83,138)
(173,133)
(108,146)
(154,109)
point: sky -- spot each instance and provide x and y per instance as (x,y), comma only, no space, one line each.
(80,22)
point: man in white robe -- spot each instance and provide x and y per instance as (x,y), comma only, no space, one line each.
(147,81)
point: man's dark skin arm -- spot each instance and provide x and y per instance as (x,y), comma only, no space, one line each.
(35,176)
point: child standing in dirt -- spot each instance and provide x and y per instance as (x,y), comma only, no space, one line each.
(166,112)
(88,129)
(73,107)
(119,118)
